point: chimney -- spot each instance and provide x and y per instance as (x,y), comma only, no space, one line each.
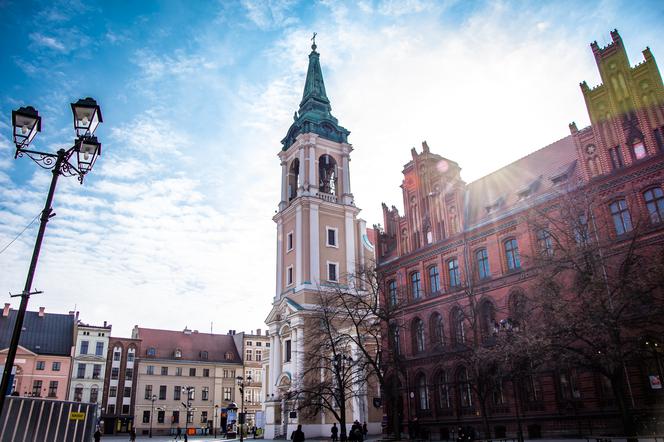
(5,311)
(258,331)
(195,331)
(252,332)
(104,323)
(41,311)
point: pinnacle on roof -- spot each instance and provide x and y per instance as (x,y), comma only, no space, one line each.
(314,115)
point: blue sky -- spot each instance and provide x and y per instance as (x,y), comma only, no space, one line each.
(173,227)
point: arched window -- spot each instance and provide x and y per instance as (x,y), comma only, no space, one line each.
(418,335)
(512,254)
(488,320)
(293,179)
(482,258)
(458,327)
(444,401)
(422,392)
(437,330)
(434,279)
(621,217)
(327,174)
(392,292)
(655,203)
(465,388)
(415,285)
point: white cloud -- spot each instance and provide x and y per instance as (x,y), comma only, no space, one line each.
(268,14)
(49,42)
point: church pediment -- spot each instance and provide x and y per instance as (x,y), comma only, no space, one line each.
(283,310)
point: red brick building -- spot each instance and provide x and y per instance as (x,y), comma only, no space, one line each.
(453,232)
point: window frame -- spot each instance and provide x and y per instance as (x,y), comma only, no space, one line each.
(454,273)
(336,271)
(392,293)
(482,262)
(434,279)
(415,285)
(290,276)
(621,216)
(329,229)
(654,204)
(290,241)
(512,255)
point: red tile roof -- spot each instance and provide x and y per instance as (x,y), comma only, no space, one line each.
(190,343)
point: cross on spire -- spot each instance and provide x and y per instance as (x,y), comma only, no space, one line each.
(313,39)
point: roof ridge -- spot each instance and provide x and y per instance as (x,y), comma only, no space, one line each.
(519,159)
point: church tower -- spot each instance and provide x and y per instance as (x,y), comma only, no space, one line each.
(320,239)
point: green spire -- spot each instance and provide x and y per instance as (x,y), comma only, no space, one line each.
(314,115)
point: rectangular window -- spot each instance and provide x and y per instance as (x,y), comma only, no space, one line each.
(176,417)
(41,365)
(638,150)
(162,392)
(84,347)
(482,257)
(544,242)
(581,234)
(127,392)
(289,275)
(78,394)
(53,389)
(415,287)
(205,392)
(259,356)
(148,392)
(80,371)
(332,271)
(55,366)
(392,292)
(434,279)
(227,394)
(129,374)
(206,372)
(654,199)
(116,355)
(125,409)
(332,237)
(512,255)
(146,416)
(160,416)
(621,218)
(96,371)
(130,356)
(192,371)
(203,417)
(289,241)
(94,394)
(176,393)
(150,369)
(287,352)
(616,158)
(249,355)
(99,350)
(178,371)
(110,408)
(164,371)
(190,417)
(115,373)
(453,269)
(36,388)
(191,393)
(112,391)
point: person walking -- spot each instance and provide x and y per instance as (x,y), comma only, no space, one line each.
(335,432)
(97,435)
(365,430)
(178,433)
(132,435)
(297,435)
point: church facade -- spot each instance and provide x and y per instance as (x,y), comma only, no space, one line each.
(320,239)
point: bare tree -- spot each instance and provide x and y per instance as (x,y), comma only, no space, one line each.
(599,288)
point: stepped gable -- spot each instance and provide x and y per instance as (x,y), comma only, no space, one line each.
(522,181)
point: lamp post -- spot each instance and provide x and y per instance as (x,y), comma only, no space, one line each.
(507,328)
(154,398)
(340,364)
(26,124)
(187,406)
(216,410)
(242,383)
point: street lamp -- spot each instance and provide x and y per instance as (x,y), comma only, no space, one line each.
(26,123)
(187,406)
(341,362)
(242,382)
(508,327)
(154,398)
(216,409)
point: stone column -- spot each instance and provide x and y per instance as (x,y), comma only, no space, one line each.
(300,188)
(299,250)
(284,186)
(280,258)
(314,245)
(313,181)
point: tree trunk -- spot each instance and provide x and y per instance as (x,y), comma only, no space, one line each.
(617,385)
(485,418)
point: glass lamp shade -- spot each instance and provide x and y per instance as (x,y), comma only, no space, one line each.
(88,151)
(87,116)
(26,122)
(231,406)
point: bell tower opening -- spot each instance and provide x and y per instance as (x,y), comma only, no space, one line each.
(327,173)
(293,179)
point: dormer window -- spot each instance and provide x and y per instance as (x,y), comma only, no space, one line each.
(204,355)
(638,150)
(152,351)
(178,353)
(228,356)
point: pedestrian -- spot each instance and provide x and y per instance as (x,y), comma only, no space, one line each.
(178,433)
(132,435)
(335,432)
(365,430)
(254,430)
(297,435)
(97,435)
